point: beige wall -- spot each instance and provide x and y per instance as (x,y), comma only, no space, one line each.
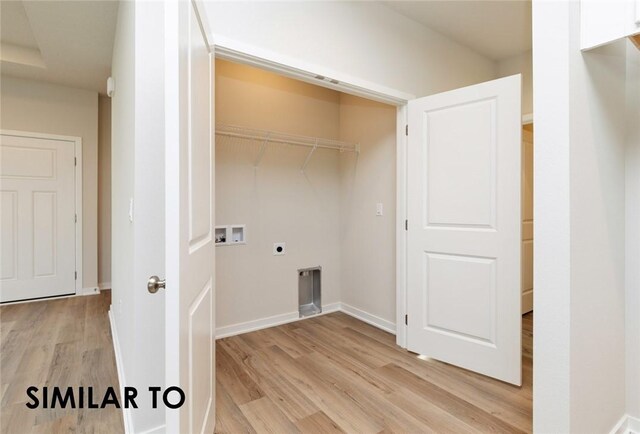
(276,201)
(367,241)
(520,64)
(104,192)
(326,217)
(47,108)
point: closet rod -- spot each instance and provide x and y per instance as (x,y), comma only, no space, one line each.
(290,139)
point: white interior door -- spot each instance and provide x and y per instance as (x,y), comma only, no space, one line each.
(464,228)
(190,214)
(37,177)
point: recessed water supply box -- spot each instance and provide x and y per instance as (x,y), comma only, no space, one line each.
(229,235)
(309,291)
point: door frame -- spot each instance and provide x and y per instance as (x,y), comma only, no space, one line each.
(227,49)
(77,143)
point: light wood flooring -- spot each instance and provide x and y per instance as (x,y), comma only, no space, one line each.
(334,373)
(61,342)
(330,373)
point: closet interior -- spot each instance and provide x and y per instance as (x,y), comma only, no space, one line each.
(305,200)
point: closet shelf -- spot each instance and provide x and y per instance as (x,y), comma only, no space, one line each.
(266,137)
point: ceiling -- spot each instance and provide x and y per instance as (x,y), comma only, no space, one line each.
(495,29)
(63,42)
(71,42)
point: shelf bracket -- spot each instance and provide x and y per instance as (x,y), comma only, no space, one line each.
(263,148)
(306,161)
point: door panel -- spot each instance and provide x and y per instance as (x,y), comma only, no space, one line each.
(452,197)
(38,217)
(190,220)
(464,228)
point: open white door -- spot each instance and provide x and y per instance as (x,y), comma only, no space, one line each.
(464,228)
(190,248)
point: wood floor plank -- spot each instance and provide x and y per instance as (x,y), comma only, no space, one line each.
(266,417)
(318,423)
(235,379)
(294,404)
(336,401)
(229,417)
(320,332)
(367,394)
(434,418)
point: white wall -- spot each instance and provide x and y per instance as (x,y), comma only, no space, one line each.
(48,108)
(579,225)
(104,192)
(632,229)
(276,201)
(365,40)
(368,242)
(597,136)
(520,64)
(137,167)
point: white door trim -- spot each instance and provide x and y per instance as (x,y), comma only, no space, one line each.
(77,142)
(401,221)
(238,52)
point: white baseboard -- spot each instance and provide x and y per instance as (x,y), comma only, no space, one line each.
(92,290)
(126,412)
(258,324)
(369,318)
(271,321)
(104,285)
(276,320)
(626,425)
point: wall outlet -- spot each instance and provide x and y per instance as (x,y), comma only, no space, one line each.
(279,249)
(379,209)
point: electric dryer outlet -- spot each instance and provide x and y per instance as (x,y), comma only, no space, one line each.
(279,249)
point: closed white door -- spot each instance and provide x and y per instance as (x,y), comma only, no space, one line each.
(464,228)
(37,217)
(190,248)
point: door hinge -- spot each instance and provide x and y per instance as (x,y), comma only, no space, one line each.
(76,275)
(406,225)
(406,320)
(75,161)
(406,129)
(75,219)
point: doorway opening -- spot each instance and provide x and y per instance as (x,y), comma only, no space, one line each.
(309,173)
